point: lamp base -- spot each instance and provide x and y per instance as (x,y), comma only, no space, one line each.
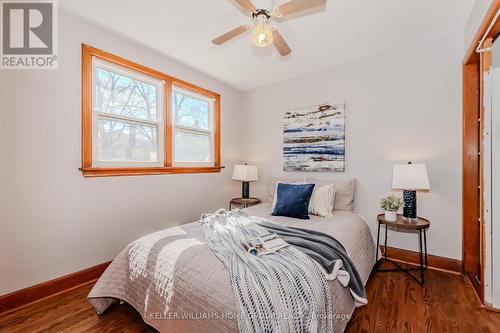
(410,205)
(245,190)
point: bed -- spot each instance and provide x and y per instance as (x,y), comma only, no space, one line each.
(177,284)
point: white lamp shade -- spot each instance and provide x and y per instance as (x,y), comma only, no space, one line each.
(410,177)
(245,173)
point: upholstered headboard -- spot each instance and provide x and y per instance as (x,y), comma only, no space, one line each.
(344,197)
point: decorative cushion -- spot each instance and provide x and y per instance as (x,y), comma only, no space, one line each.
(274,197)
(322,200)
(273,185)
(293,200)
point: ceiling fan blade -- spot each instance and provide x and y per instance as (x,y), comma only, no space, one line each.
(280,43)
(230,35)
(295,6)
(246,5)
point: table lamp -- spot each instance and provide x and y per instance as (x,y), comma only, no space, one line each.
(246,174)
(410,178)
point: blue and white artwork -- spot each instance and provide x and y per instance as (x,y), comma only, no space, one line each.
(314,138)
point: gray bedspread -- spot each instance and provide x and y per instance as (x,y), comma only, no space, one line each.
(173,279)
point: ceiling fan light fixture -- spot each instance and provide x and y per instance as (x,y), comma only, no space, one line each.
(262,33)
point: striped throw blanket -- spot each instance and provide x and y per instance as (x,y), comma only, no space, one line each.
(283,292)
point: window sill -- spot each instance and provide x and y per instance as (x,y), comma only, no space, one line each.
(112,172)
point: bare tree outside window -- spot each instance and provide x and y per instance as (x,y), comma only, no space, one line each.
(128,136)
(193,132)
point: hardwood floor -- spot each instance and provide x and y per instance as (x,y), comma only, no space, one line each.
(445,303)
(396,304)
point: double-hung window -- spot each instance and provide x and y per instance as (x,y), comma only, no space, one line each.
(193,127)
(138,121)
(128,122)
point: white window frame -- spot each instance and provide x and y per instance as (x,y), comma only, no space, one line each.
(159,123)
(210,131)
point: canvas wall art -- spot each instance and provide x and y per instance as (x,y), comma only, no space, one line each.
(314,138)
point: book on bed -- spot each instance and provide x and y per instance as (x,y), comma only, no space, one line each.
(266,244)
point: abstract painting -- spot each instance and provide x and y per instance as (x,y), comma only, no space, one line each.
(314,138)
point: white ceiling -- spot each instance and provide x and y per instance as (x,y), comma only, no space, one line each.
(345,30)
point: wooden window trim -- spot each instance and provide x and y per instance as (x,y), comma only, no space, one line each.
(88,170)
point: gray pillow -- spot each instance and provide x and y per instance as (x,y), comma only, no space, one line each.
(344,197)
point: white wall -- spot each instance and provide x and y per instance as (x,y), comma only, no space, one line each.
(401,105)
(54,221)
(476,18)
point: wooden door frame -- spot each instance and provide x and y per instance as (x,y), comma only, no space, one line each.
(474,66)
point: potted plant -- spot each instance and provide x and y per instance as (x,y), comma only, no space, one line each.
(391,205)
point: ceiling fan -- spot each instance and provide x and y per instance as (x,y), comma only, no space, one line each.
(263,34)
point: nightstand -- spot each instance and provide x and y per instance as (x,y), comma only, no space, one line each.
(419,225)
(244,203)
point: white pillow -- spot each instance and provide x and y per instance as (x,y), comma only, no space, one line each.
(322,200)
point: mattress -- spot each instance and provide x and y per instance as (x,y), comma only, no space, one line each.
(172,278)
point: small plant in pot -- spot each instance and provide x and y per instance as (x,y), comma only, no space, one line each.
(391,205)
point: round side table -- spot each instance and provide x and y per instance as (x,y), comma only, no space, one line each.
(245,203)
(419,225)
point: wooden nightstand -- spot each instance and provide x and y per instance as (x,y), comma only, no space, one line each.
(420,225)
(244,203)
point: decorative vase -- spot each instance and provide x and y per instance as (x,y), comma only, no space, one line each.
(391,216)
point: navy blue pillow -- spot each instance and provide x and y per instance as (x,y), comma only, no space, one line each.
(292,200)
